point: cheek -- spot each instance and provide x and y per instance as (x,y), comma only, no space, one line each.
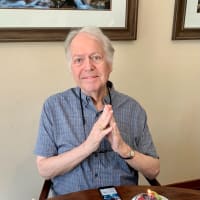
(75,72)
(108,70)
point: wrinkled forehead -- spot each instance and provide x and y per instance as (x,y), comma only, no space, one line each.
(86,42)
(85,36)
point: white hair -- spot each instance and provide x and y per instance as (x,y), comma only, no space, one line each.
(97,34)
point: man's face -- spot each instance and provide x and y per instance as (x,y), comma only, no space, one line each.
(89,66)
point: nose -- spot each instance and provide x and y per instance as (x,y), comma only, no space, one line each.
(88,65)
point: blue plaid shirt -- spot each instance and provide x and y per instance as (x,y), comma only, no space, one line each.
(61,129)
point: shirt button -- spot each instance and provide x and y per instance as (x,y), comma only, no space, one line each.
(96,175)
(88,99)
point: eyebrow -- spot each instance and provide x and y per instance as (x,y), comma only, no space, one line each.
(87,54)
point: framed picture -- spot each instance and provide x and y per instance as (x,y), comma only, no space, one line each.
(186,24)
(119,22)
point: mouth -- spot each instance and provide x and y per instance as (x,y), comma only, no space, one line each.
(90,77)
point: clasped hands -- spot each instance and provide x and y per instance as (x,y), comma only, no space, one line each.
(106,126)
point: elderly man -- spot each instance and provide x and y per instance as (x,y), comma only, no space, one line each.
(92,135)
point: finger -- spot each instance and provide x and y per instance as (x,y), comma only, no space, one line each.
(105,118)
(112,121)
(106,131)
(114,125)
(115,131)
(107,109)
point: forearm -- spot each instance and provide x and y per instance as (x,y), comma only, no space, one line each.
(147,165)
(65,162)
(60,164)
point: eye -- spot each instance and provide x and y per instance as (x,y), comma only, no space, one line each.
(77,60)
(97,58)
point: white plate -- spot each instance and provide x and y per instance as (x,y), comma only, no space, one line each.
(163,198)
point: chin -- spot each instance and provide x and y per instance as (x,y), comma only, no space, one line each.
(90,86)
(90,89)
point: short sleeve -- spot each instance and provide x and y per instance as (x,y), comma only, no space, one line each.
(45,144)
(144,139)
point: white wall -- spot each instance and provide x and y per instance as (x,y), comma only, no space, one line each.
(163,75)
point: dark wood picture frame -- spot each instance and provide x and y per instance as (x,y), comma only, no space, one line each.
(129,32)
(179,31)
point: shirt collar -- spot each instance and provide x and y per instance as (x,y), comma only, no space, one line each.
(87,99)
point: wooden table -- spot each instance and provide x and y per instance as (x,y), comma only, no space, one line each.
(127,192)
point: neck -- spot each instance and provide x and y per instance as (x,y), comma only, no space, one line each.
(97,97)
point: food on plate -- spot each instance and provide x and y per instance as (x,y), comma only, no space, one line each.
(150,195)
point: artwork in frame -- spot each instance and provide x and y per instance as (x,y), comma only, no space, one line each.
(21,24)
(186,23)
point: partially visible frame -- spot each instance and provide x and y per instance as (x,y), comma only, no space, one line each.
(180,30)
(129,32)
